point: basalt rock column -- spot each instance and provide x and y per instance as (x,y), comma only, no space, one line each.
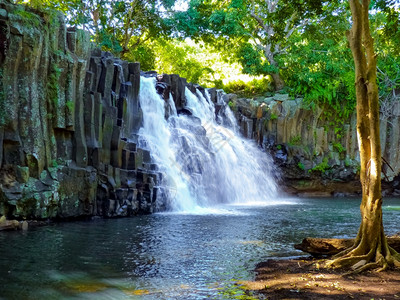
(69,114)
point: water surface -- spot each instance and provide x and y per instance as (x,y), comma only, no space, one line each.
(168,256)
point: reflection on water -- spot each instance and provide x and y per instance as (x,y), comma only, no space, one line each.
(167,256)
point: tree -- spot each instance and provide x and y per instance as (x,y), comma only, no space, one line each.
(122,27)
(258,32)
(370,249)
(319,65)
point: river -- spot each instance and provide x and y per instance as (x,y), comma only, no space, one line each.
(169,255)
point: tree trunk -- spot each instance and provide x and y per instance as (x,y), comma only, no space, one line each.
(370,249)
(277,81)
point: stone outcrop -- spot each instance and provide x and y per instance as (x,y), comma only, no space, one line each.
(316,155)
(69,118)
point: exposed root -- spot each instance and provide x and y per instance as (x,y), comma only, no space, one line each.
(383,268)
(344,252)
(346,261)
(394,253)
(395,257)
(374,259)
(363,268)
(350,258)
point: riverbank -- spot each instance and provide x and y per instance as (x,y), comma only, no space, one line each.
(305,279)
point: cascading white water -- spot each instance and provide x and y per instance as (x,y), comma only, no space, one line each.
(156,136)
(205,163)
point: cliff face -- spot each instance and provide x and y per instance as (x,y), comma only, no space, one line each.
(69,115)
(316,156)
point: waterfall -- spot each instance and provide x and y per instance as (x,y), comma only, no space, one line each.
(203,158)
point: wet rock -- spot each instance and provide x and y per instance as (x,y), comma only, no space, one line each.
(22,174)
(24,225)
(6,225)
(161,87)
(178,85)
(184,111)
(281,97)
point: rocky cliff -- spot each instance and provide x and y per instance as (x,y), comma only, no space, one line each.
(316,153)
(69,115)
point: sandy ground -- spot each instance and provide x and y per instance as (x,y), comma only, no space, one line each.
(305,279)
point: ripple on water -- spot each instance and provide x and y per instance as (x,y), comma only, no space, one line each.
(169,255)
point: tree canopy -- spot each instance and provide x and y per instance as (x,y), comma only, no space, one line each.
(298,46)
(121,27)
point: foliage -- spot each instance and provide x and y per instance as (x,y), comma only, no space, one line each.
(338,147)
(249,89)
(28,18)
(300,165)
(199,63)
(273,116)
(323,76)
(295,141)
(234,291)
(319,67)
(116,26)
(70,106)
(180,58)
(145,54)
(257,32)
(387,36)
(302,43)
(54,163)
(309,48)
(321,167)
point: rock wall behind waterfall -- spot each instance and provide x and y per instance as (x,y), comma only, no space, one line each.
(68,118)
(317,156)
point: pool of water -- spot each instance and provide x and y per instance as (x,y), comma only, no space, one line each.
(169,256)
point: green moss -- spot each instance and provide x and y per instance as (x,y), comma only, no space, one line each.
(295,141)
(347,162)
(70,105)
(28,18)
(54,163)
(234,290)
(338,147)
(273,116)
(52,84)
(321,167)
(338,132)
(300,165)
(232,105)
(247,89)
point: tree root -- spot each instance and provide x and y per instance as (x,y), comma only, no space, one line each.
(346,252)
(374,259)
(363,268)
(347,261)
